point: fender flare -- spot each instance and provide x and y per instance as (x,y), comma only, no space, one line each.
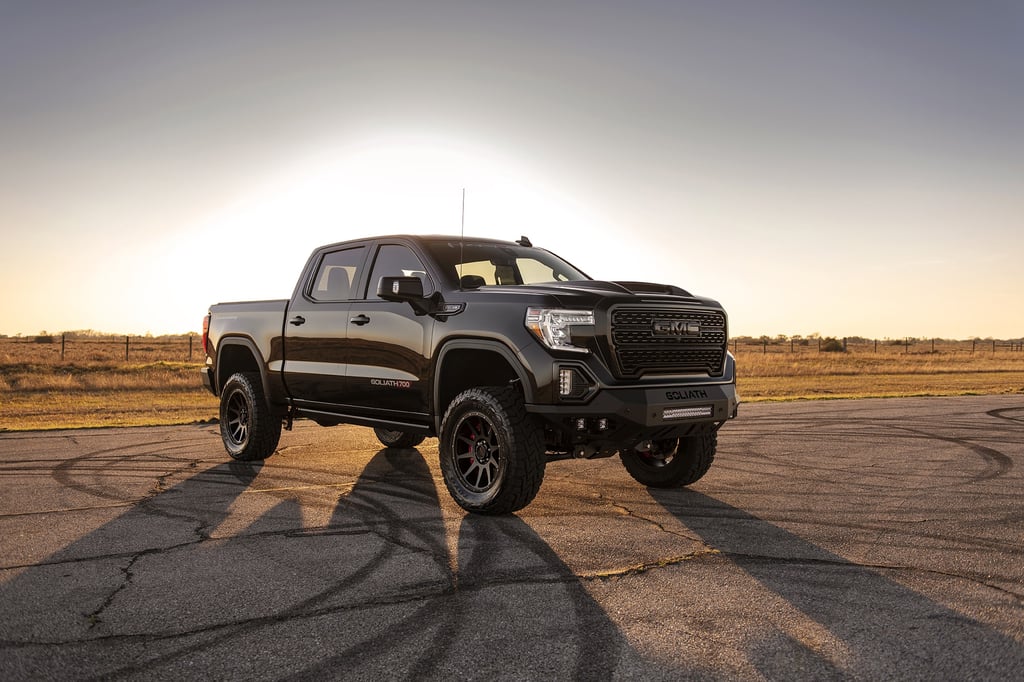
(250,345)
(510,356)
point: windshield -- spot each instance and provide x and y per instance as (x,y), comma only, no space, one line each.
(480,263)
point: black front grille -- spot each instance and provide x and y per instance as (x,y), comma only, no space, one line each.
(668,341)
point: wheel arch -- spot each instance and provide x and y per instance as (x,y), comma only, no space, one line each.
(469,363)
(240,354)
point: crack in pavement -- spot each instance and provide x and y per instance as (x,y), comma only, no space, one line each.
(640,569)
(94,617)
(657,524)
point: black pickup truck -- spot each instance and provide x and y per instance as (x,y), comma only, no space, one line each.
(508,354)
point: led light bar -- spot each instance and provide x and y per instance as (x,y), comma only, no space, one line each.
(688,412)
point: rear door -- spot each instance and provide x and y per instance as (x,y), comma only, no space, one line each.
(316,327)
(388,362)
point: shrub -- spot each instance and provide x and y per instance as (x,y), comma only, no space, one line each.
(830,345)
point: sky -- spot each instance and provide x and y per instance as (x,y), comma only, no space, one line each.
(848,168)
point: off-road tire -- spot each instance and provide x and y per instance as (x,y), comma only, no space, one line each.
(249,429)
(491,451)
(672,464)
(398,439)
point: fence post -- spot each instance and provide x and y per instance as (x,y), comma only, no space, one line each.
(974,344)
(907,341)
(764,349)
(62,347)
(190,348)
(126,349)
(993,346)
(876,345)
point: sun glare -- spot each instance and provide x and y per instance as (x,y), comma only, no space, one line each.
(384,185)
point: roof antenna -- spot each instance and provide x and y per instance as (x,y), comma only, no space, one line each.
(462,237)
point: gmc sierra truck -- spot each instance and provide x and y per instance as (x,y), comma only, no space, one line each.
(508,354)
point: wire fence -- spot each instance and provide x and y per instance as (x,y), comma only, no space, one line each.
(188,347)
(49,348)
(906,346)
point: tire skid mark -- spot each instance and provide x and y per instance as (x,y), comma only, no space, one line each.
(1002,414)
(999,464)
(976,578)
(903,527)
(887,430)
(74,510)
(64,472)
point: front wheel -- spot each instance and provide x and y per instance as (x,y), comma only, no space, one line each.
(398,439)
(248,428)
(492,451)
(672,463)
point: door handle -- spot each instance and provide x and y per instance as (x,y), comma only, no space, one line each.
(297,320)
(360,320)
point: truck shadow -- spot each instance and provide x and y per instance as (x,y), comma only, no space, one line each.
(389,588)
(851,619)
(494,600)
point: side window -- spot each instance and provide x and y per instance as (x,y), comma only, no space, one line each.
(337,275)
(397,261)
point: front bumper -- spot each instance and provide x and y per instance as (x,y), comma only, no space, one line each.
(616,417)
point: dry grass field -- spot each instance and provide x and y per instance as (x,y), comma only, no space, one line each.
(887,372)
(94,386)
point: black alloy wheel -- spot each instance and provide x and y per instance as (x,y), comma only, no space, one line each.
(672,463)
(492,451)
(249,429)
(478,457)
(390,438)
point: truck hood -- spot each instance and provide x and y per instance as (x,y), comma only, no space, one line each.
(588,293)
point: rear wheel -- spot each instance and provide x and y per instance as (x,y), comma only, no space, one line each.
(398,439)
(248,428)
(492,451)
(672,463)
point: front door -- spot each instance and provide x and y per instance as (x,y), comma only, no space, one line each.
(388,362)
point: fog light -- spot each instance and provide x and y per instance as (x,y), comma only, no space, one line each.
(565,382)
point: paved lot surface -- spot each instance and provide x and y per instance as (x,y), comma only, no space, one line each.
(850,539)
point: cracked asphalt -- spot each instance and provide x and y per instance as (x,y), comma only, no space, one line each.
(872,539)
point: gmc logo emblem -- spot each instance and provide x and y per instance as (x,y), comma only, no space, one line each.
(676,328)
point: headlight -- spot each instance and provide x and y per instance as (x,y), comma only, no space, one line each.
(554,327)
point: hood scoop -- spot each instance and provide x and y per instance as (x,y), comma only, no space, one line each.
(650,288)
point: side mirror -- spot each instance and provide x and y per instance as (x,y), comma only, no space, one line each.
(400,289)
(408,290)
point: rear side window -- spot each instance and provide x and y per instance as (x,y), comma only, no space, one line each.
(337,275)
